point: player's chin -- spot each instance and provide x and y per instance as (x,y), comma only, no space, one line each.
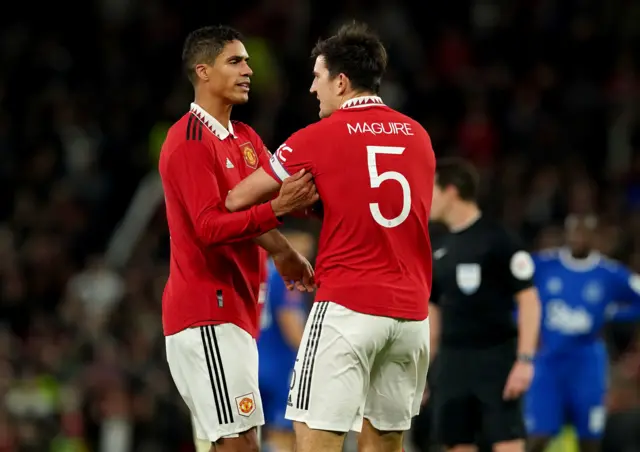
(239,98)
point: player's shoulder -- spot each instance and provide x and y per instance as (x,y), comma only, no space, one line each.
(610,265)
(185,133)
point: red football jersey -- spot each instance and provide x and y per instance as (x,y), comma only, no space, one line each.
(216,271)
(374,169)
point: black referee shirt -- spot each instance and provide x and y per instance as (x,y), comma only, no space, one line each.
(476,273)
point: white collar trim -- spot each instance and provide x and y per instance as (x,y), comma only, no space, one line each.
(580,265)
(211,123)
(362,101)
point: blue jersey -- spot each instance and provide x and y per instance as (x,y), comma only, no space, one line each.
(271,341)
(579,296)
(277,357)
(570,379)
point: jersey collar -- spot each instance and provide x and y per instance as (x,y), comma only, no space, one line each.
(580,265)
(362,101)
(211,123)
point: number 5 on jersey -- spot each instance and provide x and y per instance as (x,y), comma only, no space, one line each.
(376,180)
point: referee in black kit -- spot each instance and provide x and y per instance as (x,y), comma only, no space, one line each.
(484,357)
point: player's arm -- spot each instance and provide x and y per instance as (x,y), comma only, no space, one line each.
(290,319)
(295,269)
(521,269)
(190,170)
(255,189)
(529,313)
(292,158)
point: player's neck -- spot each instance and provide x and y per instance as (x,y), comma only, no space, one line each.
(215,107)
(354,95)
(462,215)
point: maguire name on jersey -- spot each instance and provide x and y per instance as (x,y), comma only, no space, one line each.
(374,169)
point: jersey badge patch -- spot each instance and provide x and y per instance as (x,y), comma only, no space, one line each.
(246,404)
(468,277)
(249,154)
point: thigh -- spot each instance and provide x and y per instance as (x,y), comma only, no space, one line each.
(456,411)
(586,392)
(399,377)
(544,406)
(331,373)
(220,390)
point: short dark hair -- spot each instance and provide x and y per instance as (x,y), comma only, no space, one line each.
(356,52)
(460,173)
(204,45)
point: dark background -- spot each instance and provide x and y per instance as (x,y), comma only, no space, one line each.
(541,94)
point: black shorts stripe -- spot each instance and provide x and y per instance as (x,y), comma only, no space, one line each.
(304,388)
(222,376)
(307,351)
(210,369)
(216,375)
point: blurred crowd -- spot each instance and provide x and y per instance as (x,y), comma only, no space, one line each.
(543,95)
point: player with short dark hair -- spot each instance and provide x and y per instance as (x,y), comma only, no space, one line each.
(484,359)
(217,269)
(365,350)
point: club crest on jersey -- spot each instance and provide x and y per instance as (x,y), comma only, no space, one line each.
(468,277)
(246,404)
(249,154)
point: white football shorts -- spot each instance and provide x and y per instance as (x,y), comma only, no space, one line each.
(215,369)
(352,365)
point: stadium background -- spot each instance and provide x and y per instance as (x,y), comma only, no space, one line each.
(541,94)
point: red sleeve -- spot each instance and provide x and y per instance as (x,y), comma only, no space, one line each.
(190,170)
(292,156)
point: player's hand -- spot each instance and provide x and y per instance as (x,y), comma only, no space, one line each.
(297,193)
(519,380)
(295,270)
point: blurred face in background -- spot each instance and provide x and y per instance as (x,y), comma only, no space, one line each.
(329,91)
(229,77)
(579,234)
(441,201)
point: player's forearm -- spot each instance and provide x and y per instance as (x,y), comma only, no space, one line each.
(273,242)
(257,188)
(292,327)
(220,228)
(528,321)
(239,199)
